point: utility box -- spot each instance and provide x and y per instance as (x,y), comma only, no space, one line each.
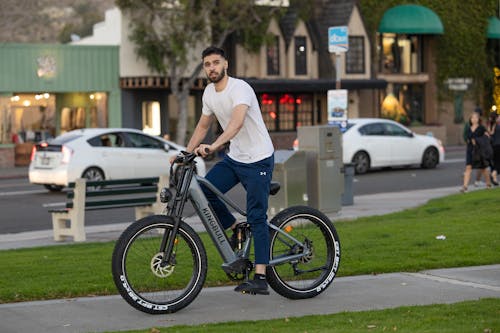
(325,181)
(289,171)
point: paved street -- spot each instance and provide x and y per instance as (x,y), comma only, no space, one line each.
(25,207)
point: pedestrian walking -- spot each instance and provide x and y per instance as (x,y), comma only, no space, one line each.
(478,174)
(494,132)
(477,155)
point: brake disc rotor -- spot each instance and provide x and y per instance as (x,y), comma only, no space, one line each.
(157,268)
(305,259)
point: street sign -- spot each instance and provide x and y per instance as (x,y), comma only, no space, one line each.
(338,39)
(337,107)
(459,83)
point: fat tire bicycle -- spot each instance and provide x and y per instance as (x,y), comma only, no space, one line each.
(159,262)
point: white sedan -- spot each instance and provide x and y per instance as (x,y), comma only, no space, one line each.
(372,143)
(102,153)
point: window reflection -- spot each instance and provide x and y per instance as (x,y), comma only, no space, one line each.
(286,112)
(400,54)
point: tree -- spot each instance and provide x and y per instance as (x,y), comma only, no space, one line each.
(170,35)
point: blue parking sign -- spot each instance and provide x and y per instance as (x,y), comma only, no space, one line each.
(338,39)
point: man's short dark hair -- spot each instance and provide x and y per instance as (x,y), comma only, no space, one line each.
(213,50)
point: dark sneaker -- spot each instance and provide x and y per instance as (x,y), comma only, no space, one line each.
(256,286)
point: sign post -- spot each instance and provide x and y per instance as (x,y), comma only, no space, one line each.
(338,42)
(459,85)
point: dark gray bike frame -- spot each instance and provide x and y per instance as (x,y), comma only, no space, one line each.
(215,230)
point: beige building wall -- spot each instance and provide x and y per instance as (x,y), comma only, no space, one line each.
(247,64)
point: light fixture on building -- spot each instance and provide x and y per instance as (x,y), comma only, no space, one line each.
(15,98)
(38,97)
(26,102)
(92,96)
(46,95)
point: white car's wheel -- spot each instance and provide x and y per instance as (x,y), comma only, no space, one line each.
(361,162)
(93,174)
(53,188)
(430,159)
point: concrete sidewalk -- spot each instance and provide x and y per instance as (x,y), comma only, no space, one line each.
(368,292)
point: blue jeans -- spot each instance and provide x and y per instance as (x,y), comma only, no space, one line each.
(256,179)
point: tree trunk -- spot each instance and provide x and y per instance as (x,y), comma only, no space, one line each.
(182,96)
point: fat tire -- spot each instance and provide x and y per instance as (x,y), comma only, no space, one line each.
(120,275)
(273,278)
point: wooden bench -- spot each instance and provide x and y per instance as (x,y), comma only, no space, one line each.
(141,193)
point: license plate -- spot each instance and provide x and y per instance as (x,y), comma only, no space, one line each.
(45,160)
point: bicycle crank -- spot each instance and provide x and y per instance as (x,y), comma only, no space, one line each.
(158,269)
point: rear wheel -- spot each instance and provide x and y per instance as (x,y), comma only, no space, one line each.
(430,159)
(361,162)
(311,274)
(53,188)
(93,174)
(141,278)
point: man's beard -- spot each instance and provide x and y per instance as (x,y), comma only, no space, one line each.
(219,77)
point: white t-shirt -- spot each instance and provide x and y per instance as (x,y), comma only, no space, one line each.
(252,143)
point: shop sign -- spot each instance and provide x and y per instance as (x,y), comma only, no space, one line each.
(337,107)
(46,66)
(459,83)
(338,39)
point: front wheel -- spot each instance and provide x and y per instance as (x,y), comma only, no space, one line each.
(141,278)
(311,274)
(430,159)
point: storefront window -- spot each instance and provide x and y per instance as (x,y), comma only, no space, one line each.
(404,103)
(401,54)
(81,110)
(286,112)
(151,117)
(27,118)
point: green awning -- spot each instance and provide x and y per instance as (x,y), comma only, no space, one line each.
(493,28)
(411,19)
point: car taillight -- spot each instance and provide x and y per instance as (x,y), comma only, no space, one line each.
(33,152)
(67,152)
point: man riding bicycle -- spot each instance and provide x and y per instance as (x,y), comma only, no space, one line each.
(250,159)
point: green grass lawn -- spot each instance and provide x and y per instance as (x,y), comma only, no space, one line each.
(481,316)
(404,241)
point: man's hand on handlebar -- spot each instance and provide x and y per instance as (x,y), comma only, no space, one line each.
(203,150)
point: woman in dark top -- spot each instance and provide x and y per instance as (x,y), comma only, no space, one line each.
(494,132)
(473,158)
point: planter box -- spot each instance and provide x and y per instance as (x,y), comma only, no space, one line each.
(22,154)
(7,156)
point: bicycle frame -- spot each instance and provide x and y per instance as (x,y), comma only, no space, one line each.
(188,188)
